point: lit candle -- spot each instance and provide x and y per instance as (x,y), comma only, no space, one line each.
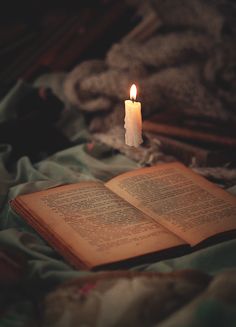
(133,119)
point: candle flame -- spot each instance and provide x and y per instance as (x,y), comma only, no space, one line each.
(133,92)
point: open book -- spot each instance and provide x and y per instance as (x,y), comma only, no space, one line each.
(135,214)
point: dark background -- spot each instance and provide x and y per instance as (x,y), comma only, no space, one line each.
(47,36)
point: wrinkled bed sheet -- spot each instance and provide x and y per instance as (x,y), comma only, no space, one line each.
(150,294)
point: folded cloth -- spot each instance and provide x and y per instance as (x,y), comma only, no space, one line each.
(32,131)
(183,298)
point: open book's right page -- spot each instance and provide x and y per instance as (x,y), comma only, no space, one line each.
(174,196)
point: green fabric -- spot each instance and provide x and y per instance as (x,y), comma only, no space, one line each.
(45,267)
(9,103)
(212,260)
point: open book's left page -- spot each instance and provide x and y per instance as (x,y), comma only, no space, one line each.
(88,222)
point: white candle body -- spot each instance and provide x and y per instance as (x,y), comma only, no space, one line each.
(133,123)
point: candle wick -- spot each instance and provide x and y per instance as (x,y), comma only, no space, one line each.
(132,100)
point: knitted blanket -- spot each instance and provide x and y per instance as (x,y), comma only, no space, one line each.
(187,65)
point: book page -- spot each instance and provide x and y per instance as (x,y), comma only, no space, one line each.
(94,223)
(185,203)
